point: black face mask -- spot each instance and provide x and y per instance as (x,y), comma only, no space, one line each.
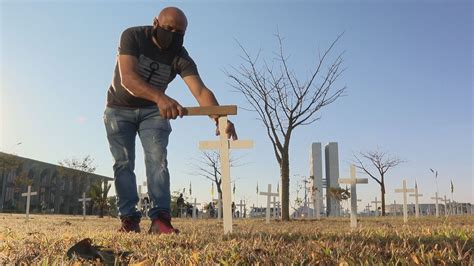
(168,40)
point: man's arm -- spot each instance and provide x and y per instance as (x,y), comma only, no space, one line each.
(169,108)
(205,97)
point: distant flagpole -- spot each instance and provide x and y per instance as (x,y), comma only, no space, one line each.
(257,194)
(452,191)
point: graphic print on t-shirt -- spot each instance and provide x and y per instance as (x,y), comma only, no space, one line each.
(155,73)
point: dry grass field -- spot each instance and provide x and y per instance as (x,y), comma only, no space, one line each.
(46,239)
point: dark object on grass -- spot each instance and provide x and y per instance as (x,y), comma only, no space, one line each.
(85,250)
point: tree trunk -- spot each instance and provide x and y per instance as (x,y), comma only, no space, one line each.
(382,188)
(285,185)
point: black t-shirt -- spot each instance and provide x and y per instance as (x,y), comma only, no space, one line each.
(158,68)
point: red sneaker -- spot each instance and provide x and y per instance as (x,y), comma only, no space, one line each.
(130,224)
(162,225)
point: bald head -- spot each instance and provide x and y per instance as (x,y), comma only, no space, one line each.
(172,19)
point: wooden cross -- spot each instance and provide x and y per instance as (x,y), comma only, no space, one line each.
(394,208)
(240,205)
(353,181)
(84,200)
(404,190)
(416,195)
(195,204)
(224,145)
(376,206)
(436,198)
(269,195)
(28,196)
(446,201)
(368,208)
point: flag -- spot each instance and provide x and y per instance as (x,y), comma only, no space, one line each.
(257,188)
(190,190)
(212,190)
(416,185)
(234,189)
(452,187)
(278,188)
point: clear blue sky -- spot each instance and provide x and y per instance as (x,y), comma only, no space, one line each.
(409,78)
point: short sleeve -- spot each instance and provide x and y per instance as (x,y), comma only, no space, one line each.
(128,43)
(185,65)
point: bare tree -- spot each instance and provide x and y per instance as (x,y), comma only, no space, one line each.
(208,166)
(382,162)
(284,102)
(8,163)
(80,169)
(98,193)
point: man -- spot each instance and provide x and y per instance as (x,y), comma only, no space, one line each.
(180,204)
(149,58)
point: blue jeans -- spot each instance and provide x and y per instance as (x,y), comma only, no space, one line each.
(122,126)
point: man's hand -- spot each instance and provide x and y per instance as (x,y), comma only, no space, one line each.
(229,130)
(169,107)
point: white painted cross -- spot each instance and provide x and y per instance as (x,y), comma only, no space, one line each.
(368,208)
(376,206)
(394,208)
(28,196)
(416,195)
(224,145)
(269,195)
(353,181)
(195,204)
(446,201)
(405,190)
(84,200)
(436,198)
(240,205)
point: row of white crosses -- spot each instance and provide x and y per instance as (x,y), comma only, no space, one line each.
(30,193)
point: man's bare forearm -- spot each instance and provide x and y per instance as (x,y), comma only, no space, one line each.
(207,98)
